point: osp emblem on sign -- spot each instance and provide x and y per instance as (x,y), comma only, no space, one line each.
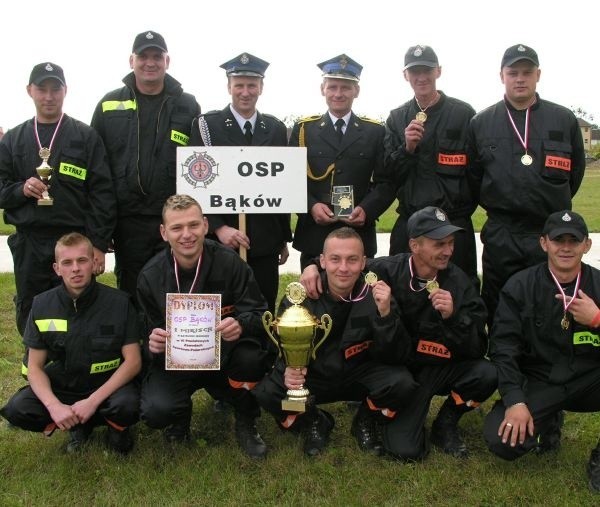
(199,169)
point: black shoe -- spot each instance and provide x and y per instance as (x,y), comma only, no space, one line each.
(550,439)
(177,433)
(119,441)
(444,430)
(248,438)
(317,431)
(78,436)
(221,407)
(366,431)
(593,470)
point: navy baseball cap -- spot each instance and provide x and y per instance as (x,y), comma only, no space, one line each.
(147,40)
(517,53)
(341,67)
(245,65)
(420,55)
(432,223)
(47,70)
(565,222)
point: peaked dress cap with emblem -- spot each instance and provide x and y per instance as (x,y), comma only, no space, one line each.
(147,40)
(46,70)
(245,65)
(565,222)
(420,55)
(517,53)
(341,67)
(432,223)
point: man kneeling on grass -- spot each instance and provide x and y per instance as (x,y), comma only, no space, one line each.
(344,368)
(545,344)
(84,354)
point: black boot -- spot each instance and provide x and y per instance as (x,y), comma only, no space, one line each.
(366,430)
(318,426)
(178,432)
(550,439)
(120,441)
(247,436)
(444,430)
(593,469)
(78,436)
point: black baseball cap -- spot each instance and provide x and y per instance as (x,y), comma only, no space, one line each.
(147,40)
(47,70)
(432,223)
(420,55)
(519,52)
(565,222)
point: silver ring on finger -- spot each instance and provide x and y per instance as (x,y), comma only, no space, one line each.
(508,425)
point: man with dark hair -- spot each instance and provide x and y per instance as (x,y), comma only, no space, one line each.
(84,354)
(142,124)
(545,344)
(194,264)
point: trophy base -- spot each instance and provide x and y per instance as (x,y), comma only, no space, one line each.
(45,202)
(294,404)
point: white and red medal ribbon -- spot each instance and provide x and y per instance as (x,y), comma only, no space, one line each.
(562,292)
(195,277)
(37,136)
(525,139)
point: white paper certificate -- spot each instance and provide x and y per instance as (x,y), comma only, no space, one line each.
(192,342)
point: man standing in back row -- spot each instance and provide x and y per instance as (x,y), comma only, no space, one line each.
(142,124)
(526,161)
(425,154)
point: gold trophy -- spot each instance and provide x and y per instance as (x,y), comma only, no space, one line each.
(44,171)
(296,329)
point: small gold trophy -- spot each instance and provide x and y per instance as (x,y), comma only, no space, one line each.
(296,330)
(44,171)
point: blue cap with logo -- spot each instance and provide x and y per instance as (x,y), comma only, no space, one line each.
(245,65)
(341,67)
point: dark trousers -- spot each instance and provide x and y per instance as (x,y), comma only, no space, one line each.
(476,380)
(544,400)
(166,394)
(465,251)
(266,272)
(26,411)
(136,240)
(386,386)
(505,252)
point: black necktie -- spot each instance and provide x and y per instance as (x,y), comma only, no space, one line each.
(338,128)
(248,132)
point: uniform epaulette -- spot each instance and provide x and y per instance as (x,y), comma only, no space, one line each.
(371,120)
(309,118)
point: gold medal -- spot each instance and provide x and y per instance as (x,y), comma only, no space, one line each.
(526,159)
(421,116)
(432,285)
(371,278)
(564,323)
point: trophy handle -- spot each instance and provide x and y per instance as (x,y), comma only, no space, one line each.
(267,320)
(325,324)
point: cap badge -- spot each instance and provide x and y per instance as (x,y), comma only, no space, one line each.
(244,59)
(418,51)
(521,48)
(566,217)
(49,67)
(343,62)
(149,35)
(439,214)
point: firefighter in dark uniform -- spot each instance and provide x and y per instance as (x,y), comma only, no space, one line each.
(84,354)
(80,186)
(344,368)
(345,165)
(142,124)
(194,264)
(425,153)
(545,344)
(240,124)
(441,338)
(527,160)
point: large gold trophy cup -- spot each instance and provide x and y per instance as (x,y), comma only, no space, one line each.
(44,171)
(296,331)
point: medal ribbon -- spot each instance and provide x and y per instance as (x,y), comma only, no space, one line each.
(525,139)
(361,295)
(412,275)
(562,292)
(37,136)
(177,274)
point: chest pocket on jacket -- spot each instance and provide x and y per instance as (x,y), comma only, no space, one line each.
(556,164)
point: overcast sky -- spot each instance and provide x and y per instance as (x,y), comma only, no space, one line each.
(92,41)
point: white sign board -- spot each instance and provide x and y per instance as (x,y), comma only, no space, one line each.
(243,179)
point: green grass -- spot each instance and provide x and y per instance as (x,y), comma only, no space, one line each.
(35,470)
